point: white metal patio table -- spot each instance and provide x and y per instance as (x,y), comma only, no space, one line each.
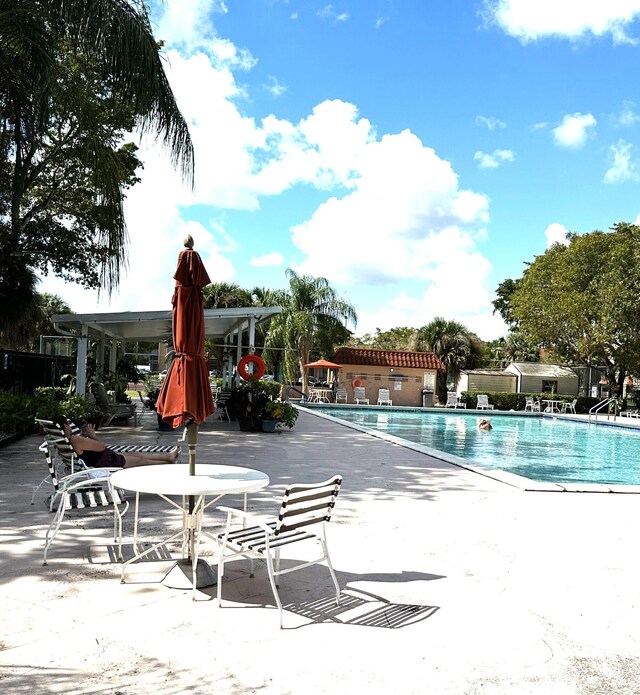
(552,405)
(165,480)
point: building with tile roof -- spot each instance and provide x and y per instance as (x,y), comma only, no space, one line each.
(404,373)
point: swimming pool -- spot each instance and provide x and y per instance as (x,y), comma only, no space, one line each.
(542,449)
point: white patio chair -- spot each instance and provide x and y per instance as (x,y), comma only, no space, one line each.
(360,395)
(531,404)
(303,506)
(569,407)
(483,403)
(341,395)
(84,490)
(383,397)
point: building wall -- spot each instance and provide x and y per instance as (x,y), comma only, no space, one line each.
(567,385)
(410,388)
(486,382)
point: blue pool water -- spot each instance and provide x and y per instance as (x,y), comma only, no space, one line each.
(543,449)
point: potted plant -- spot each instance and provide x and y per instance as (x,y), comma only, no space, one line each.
(278,413)
(247,403)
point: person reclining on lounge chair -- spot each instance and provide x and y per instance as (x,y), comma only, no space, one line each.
(97,454)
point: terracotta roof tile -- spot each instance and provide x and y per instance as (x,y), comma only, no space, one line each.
(387,358)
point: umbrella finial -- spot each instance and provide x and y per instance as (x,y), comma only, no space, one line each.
(188,241)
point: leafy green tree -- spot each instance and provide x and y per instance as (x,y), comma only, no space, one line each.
(392,339)
(24,333)
(456,346)
(313,315)
(502,303)
(74,76)
(225,295)
(581,300)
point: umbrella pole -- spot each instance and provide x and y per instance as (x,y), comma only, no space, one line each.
(184,574)
(192,441)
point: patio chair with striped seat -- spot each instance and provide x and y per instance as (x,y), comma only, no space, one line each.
(303,506)
(83,490)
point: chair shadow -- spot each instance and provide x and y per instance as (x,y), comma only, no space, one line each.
(357,605)
(108,553)
(368,610)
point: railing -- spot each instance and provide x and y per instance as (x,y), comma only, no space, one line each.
(605,403)
(297,390)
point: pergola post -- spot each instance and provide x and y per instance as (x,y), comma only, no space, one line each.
(81,364)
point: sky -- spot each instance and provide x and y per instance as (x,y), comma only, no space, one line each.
(415,153)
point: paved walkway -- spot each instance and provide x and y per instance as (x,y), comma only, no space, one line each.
(452,583)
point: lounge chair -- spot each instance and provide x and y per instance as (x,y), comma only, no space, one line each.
(83,490)
(453,401)
(483,403)
(66,461)
(341,395)
(303,506)
(360,395)
(383,397)
(113,410)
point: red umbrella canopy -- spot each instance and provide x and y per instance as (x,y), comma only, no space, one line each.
(186,393)
(323,364)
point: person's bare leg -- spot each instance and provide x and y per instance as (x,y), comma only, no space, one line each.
(132,460)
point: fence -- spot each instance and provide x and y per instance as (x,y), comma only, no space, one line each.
(22,372)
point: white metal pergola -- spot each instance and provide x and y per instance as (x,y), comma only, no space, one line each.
(225,325)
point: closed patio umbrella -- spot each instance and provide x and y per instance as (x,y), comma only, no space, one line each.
(185,397)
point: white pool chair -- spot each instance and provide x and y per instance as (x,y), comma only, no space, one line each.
(483,403)
(360,395)
(383,397)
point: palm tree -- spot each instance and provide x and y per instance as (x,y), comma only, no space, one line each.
(115,38)
(312,312)
(456,346)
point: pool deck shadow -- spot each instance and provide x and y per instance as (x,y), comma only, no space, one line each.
(451,582)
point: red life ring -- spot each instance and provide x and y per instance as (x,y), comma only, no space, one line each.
(356,382)
(243,367)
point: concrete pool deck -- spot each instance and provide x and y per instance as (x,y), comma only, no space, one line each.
(452,582)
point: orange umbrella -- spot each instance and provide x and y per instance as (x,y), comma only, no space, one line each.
(323,364)
(185,396)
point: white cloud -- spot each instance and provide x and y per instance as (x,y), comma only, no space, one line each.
(491,122)
(493,161)
(269,259)
(627,115)
(568,19)
(274,87)
(380,21)
(403,221)
(574,130)
(329,12)
(556,233)
(622,168)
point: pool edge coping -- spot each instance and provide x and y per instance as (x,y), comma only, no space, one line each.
(499,475)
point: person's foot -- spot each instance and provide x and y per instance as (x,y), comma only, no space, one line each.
(174,456)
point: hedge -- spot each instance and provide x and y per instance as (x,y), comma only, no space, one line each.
(516,401)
